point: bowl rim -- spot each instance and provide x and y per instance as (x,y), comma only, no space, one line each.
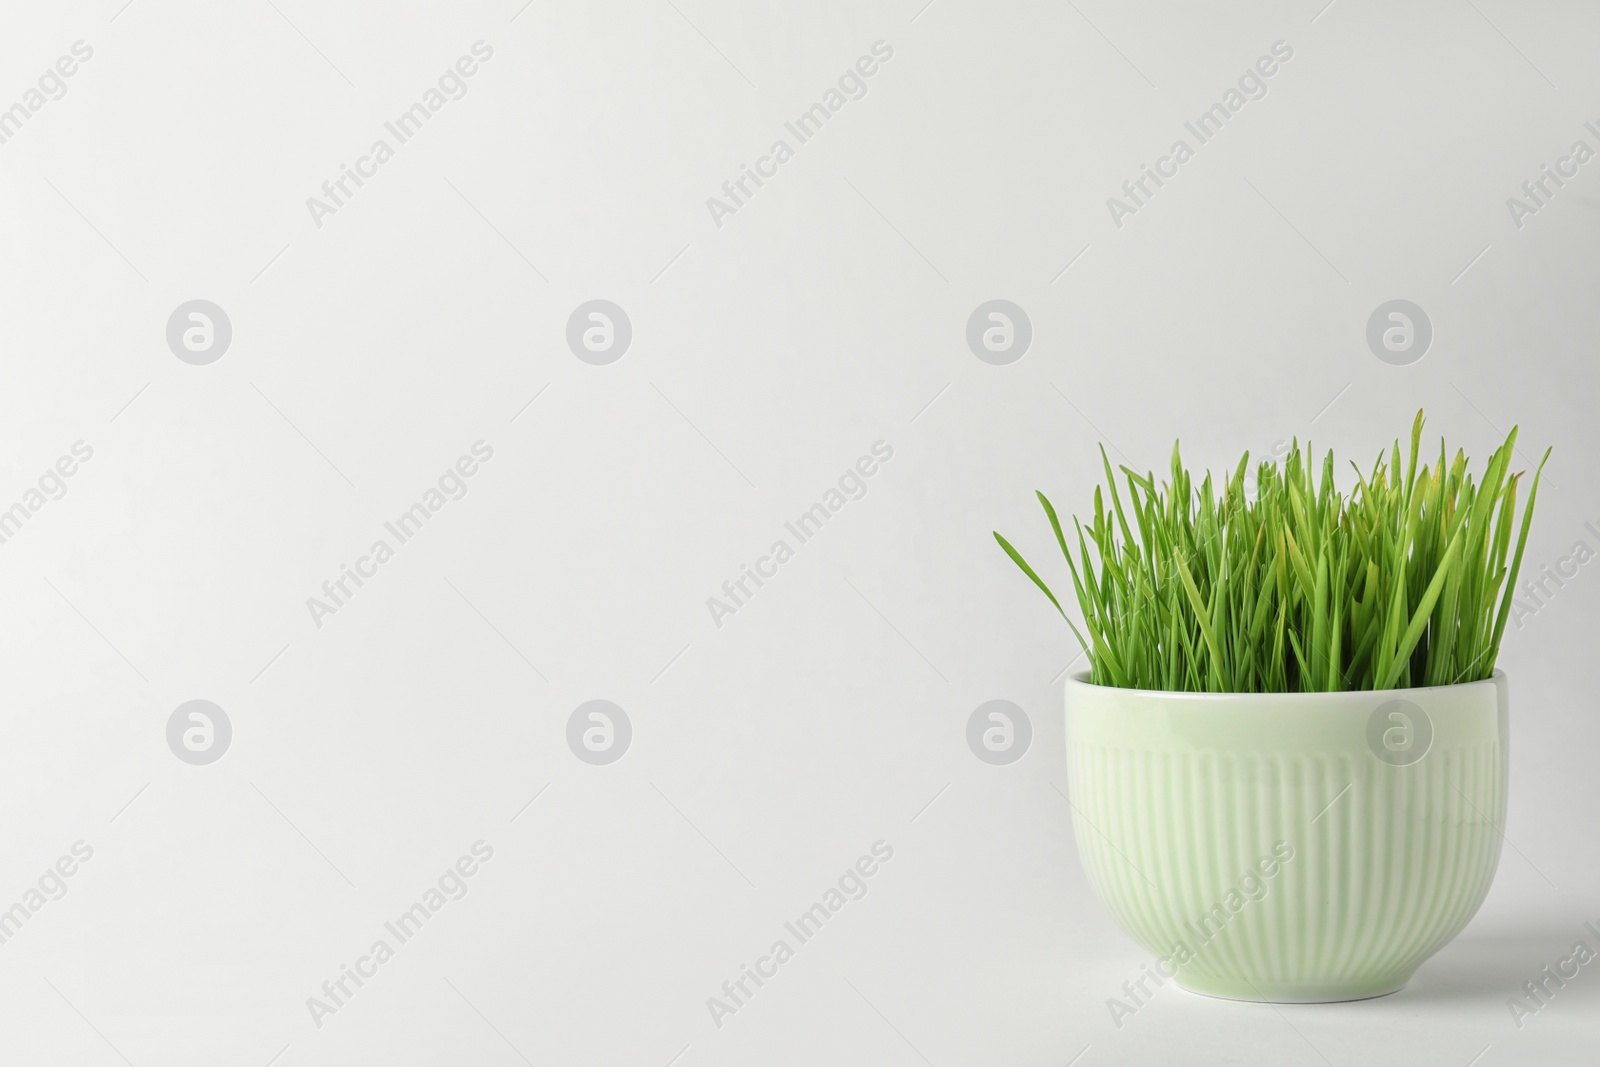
(1080,679)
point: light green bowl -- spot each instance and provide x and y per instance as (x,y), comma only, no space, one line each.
(1289,847)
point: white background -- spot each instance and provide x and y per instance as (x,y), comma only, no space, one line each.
(768,354)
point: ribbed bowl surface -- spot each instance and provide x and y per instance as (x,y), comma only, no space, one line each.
(1300,847)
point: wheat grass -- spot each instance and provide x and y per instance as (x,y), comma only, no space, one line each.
(1402,583)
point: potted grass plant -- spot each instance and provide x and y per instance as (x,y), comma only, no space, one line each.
(1288,755)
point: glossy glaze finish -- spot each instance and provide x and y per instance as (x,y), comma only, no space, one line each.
(1289,847)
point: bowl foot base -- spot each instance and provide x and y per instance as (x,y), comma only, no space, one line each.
(1228,988)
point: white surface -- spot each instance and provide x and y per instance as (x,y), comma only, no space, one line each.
(829,712)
